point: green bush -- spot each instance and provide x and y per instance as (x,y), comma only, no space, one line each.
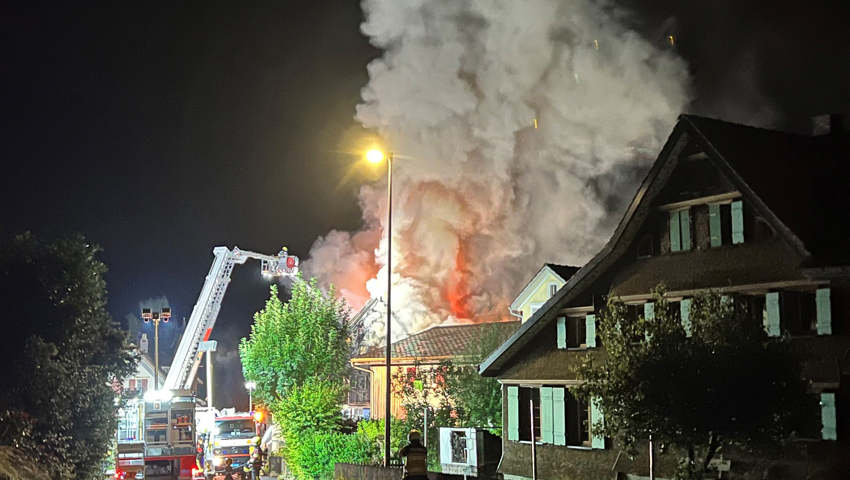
(312,454)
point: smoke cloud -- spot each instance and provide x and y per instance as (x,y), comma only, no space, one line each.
(521,129)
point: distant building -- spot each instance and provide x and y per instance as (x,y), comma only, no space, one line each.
(426,349)
(757,215)
(541,288)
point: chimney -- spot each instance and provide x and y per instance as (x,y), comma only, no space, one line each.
(826,124)
(143,343)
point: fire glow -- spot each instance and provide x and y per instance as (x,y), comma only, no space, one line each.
(484,197)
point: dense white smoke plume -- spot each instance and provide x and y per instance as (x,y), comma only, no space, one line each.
(520,128)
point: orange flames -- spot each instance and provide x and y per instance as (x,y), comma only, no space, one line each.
(457,290)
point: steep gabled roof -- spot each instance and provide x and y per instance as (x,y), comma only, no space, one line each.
(785,176)
(802,180)
(564,272)
(440,342)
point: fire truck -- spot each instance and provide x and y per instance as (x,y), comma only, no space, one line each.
(230,435)
(159,440)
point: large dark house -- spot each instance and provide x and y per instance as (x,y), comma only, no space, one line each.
(760,216)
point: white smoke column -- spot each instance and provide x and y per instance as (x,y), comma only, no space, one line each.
(485,198)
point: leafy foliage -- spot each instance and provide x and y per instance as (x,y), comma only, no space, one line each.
(297,355)
(314,453)
(433,397)
(727,383)
(479,399)
(65,358)
(453,393)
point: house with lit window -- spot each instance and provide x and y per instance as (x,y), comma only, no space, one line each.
(759,216)
(542,287)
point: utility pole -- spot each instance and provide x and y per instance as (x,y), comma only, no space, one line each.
(163,315)
(533,441)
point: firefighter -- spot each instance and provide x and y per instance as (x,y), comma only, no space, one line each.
(228,469)
(199,450)
(255,465)
(415,458)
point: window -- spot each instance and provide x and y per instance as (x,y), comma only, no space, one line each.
(534,307)
(144,384)
(559,418)
(798,312)
(680,230)
(577,416)
(553,289)
(527,395)
(132,385)
(577,332)
(726,223)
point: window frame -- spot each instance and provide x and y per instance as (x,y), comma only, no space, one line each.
(524,425)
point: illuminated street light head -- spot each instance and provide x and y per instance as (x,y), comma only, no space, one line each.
(374,156)
(250,385)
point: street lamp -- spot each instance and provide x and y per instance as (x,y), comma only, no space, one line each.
(149,315)
(375,156)
(250,386)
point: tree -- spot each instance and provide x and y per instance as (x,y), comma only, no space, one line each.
(63,360)
(726,383)
(420,388)
(479,399)
(453,393)
(297,355)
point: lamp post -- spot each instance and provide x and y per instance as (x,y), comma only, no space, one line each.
(375,156)
(250,386)
(149,315)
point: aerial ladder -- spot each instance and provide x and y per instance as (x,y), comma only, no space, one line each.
(184,367)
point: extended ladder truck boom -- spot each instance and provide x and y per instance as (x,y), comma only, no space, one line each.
(160,435)
(181,375)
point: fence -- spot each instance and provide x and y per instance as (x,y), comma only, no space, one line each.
(351,471)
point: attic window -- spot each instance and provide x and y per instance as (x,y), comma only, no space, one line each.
(644,249)
(726,223)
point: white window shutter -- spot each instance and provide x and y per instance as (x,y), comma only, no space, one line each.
(649,310)
(445,445)
(714,225)
(824,311)
(773,323)
(559,417)
(685,313)
(828,416)
(546,420)
(513,414)
(590,330)
(737,222)
(675,235)
(596,441)
(562,332)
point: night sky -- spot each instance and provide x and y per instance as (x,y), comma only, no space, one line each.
(160,130)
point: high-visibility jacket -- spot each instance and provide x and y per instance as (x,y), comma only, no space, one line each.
(415,459)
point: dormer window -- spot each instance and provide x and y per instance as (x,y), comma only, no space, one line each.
(680,230)
(726,223)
